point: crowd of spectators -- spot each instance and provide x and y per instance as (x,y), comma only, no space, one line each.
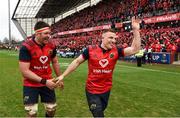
(108,11)
(158,37)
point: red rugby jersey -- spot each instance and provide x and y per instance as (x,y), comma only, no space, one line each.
(100,69)
(40,61)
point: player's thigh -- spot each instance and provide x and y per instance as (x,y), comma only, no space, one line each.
(105,99)
(30,95)
(30,99)
(47,95)
(94,102)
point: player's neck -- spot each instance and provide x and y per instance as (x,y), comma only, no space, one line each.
(102,46)
(38,42)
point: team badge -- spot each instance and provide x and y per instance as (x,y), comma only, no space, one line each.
(111,55)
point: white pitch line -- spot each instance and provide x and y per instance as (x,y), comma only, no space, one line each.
(10,54)
(13,54)
(64,64)
(147,69)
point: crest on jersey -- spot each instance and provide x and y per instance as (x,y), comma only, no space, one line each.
(43,59)
(111,55)
(103,62)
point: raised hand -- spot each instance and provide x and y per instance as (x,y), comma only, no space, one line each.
(135,23)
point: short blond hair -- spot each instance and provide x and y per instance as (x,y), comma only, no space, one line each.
(109,30)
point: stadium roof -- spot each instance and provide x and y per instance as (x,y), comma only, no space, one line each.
(27,8)
(45,8)
(53,8)
(28,12)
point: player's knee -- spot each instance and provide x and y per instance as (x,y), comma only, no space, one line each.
(50,109)
(31,110)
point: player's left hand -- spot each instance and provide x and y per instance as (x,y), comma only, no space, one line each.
(60,85)
(136,23)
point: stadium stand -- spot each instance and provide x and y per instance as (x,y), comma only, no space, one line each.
(161,36)
(84,27)
(115,10)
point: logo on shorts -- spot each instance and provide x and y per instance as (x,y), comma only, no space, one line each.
(103,62)
(43,59)
(26,98)
(93,106)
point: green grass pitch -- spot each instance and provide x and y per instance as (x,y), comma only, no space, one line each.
(147,91)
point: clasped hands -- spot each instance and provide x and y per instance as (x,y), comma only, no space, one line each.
(55,83)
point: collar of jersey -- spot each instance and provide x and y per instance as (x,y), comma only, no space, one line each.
(104,49)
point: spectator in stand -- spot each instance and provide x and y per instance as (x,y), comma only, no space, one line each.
(106,11)
(158,47)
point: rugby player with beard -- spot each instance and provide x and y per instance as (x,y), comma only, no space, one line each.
(35,57)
